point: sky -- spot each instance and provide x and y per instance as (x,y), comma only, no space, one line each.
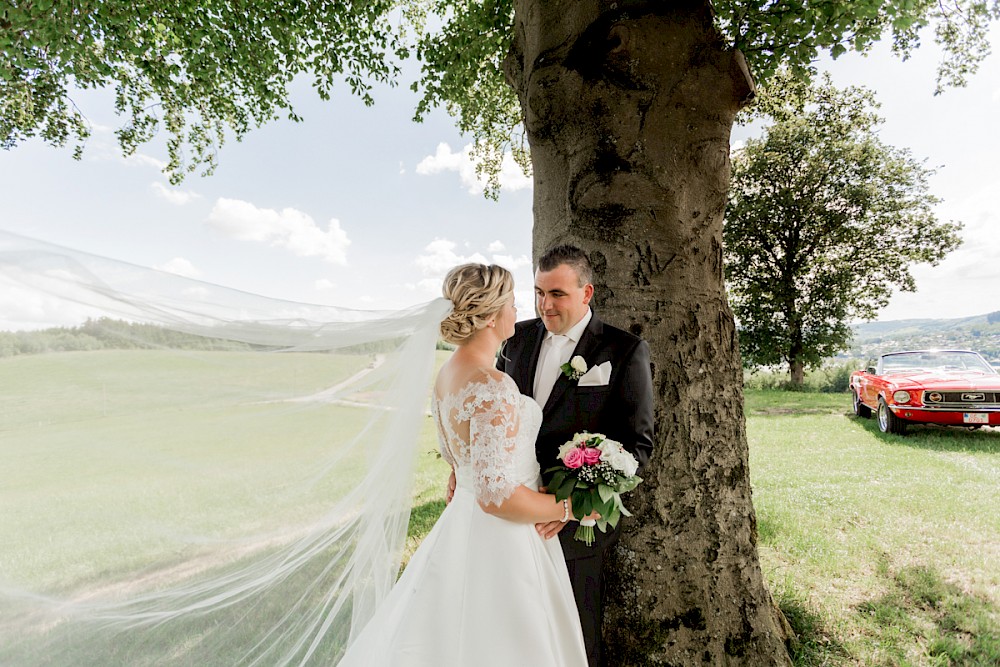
(360,207)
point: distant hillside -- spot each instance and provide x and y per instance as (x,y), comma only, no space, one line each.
(980,333)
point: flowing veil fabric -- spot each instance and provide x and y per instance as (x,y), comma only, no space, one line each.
(195,475)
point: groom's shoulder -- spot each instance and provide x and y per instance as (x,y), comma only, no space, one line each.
(525,326)
(612,332)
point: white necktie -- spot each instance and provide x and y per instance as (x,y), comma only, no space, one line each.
(548,370)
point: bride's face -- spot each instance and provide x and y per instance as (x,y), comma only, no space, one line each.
(506,319)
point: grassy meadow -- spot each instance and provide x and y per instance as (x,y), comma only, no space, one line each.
(224,456)
(881,550)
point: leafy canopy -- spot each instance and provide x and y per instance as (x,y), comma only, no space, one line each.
(823,223)
(199,69)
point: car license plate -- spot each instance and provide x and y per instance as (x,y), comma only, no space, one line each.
(975,418)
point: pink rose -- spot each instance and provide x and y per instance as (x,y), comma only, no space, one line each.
(574,458)
(591,456)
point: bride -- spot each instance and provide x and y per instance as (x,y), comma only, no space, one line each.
(483,588)
(229,513)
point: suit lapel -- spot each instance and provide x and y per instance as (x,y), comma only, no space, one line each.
(590,340)
(526,359)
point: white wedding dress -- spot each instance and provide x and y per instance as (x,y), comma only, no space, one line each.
(480,591)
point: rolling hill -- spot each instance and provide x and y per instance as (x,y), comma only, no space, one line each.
(980,333)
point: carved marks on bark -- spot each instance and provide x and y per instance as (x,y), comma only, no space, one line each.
(649,264)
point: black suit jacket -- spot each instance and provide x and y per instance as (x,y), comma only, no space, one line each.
(622,410)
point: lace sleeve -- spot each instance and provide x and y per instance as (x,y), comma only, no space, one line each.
(493,436)
(439,427)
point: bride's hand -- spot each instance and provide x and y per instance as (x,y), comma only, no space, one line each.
(552,528)
(450,493)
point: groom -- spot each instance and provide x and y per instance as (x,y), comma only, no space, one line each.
(618,404)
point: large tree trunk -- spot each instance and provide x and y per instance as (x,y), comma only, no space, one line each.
(628,107)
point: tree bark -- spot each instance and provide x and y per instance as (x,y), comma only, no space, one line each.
(628,108)
(796,372)
(796,367)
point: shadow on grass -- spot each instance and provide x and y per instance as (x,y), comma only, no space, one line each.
(423,517)
(940,438)
(813,645)
(785,404)
(923,610)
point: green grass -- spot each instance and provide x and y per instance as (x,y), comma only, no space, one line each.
(199,442)
(219,457)
(880,550)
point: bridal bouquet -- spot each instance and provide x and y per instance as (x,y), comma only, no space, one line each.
(595,471)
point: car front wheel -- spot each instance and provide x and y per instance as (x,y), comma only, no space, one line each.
(860,409)
(887,421)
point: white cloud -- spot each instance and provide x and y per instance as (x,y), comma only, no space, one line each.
(496,246)
(107,150)
(953,288)
(27,308)
(512,177)
(289,228)
(180,267)
(324,285)
(174,195)
(196,293)
(512,263)
(439,256)
(143,160)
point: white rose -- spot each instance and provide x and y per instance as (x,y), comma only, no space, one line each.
(578,364)
(609,447)
(623,462)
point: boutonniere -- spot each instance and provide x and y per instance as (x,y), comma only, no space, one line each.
(575,368)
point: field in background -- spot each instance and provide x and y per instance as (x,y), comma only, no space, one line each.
(194,441)
(881,550)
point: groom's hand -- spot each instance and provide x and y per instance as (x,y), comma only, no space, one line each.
(549,529)
(450,493)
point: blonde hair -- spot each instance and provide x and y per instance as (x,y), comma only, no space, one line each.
(477,293)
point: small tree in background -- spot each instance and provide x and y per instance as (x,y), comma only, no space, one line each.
(823,223)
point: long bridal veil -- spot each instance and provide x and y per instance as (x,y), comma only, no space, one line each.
(195,475)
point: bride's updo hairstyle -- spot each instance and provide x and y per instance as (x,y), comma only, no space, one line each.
(477,293)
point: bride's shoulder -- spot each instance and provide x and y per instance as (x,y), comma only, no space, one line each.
(491,381)
(477,385)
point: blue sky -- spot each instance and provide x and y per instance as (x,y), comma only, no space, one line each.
(360,207)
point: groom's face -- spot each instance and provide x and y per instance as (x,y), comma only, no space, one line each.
(560,299)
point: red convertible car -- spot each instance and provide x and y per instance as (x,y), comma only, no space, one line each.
(946,387)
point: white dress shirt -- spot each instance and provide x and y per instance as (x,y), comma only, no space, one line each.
(556,351)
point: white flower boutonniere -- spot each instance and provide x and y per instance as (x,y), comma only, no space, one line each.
(575,369)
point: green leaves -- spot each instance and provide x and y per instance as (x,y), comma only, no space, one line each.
(196,70)
(790,35)
(823,223)
(215,67)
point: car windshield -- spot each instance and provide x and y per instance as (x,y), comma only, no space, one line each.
(937,361)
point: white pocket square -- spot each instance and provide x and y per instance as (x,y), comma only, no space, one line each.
(598,376)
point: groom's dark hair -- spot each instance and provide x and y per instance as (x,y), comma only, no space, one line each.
(572,257)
